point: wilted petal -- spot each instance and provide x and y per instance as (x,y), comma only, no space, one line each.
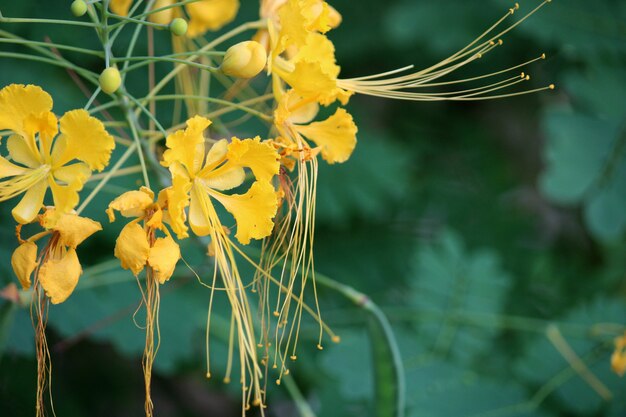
(83,138)
(132,248)
(59,277)
(24,262)
(73,229)
(187,146)
(163,258)
(253,211)
(177,200)
(17,102)
(131,204)
(28,208)
(336,135)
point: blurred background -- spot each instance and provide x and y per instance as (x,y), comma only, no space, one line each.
(491,234)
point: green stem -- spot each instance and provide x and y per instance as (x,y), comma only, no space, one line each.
(48,21)
(301,403)
(148,60)
(49,45)
(86,74)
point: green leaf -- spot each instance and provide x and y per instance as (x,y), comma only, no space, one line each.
(451,281)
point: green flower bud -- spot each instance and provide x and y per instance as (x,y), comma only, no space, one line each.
(110,80)
(244,60)
(178,26)
(78,8)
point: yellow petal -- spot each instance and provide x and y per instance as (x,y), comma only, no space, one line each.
(163,258)
(187,146)
(22,153)
(260,157)
(8,169)
(17,102)
(336,135)
(131,204)
(46,125)
(59,277)
(73,229)
(65,197)
(253,211)
(156,219)
(24,262)
(200,208)
(210,15)
(83,138)
(216,155)
(177,200)
(163,17)
(132,248)
(28,208)
(120,7)
(73,173)
(225,179)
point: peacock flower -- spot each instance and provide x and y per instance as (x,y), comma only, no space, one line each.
(618,359)
(137,246)
(201,178)
(57,267)
(39,158)
(304,58)
(335,136)
(204,15)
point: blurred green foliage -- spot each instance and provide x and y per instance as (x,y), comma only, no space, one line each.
(539,180)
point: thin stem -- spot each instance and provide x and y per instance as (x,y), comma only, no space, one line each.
(48,21)
(50,45)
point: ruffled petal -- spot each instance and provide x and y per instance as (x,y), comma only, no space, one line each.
(210,15)
(17,102)
(72,228)
(187,146)
(24,262)
(22,153)
(84,138)
(199,211)
(131,204)
(59,277)
(336,135)
(177,200)
(163,258)
(253,211)
(28,208)
(8,169)
(261,158)
(132,248)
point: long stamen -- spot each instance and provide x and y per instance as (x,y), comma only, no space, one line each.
(17,185)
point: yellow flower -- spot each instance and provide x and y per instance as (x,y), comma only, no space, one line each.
(59,268)
(618,359)
(38,159)
(199,178)
(138,247)
(335,136)
(204,15)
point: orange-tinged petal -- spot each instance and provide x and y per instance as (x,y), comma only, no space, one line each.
(199,210)
(72,228)
(163,258)
(253,211)
(9,169)
(46,125)
(17,102)
(24,262)
(187,146)
(132,248)
(131,204)
(59,277)
(120,7)
(156,220)
(83,138)
(210,15)
(336,135)
(177,200)
(28,208)
(22,153)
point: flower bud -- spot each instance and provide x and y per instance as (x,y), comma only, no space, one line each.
(244,60)
(178,26)
(78,8)
(110,80)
